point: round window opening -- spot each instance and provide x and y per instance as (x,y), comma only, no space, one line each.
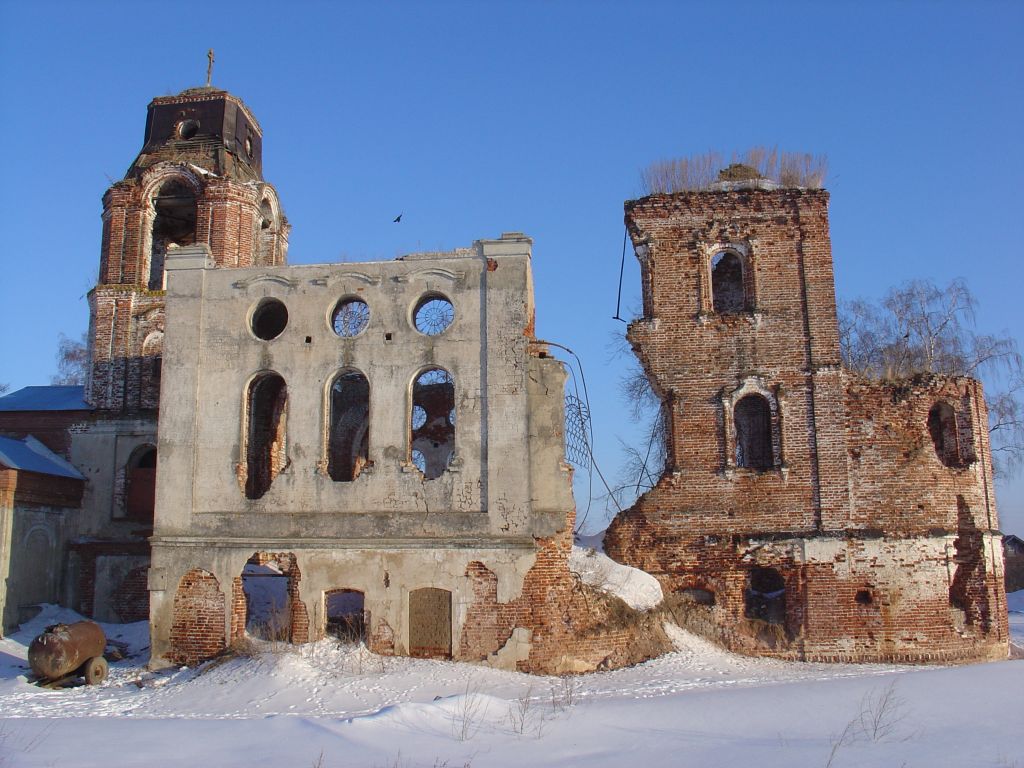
(187,129)
(269,319)
(433,315)
(350,317)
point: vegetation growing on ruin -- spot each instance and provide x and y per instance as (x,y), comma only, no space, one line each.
(919,328)
(696,172)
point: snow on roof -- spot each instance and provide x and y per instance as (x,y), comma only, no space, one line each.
(30,455)
(54,398)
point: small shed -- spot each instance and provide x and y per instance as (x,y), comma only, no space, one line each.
(39,491)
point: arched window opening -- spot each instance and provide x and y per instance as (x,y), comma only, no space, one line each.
(173,224)
(430,623)
(347,618)
(765,596)
(432,426)
(140,481)
(152,349)
(266,416)
(727,291)
(753,419)
(943,430)
(265,236)
(349,437)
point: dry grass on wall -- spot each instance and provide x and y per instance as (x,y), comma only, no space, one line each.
(684,174)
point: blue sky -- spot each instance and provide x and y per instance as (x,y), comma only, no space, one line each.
(478,118)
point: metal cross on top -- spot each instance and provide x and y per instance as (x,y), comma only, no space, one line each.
(209,67)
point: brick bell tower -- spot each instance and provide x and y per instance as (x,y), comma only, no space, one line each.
(803,512)
(198,179)
(740,339)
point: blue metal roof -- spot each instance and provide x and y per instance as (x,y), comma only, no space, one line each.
(32,456)
(55,398)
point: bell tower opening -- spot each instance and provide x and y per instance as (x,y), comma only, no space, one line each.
(174,223)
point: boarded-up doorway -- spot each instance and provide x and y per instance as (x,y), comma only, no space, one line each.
(430,623)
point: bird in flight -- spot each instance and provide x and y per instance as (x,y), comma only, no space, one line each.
(398,218)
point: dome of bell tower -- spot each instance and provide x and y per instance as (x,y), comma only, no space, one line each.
(207,127)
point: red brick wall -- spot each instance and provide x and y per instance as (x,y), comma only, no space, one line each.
(574,627)
(131,598)
(239,609)
(197,630)
(32,489)
(898,482)
(859,501)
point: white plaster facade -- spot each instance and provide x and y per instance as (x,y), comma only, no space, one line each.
(390,530)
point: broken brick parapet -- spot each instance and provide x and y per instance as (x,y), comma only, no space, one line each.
(898,482)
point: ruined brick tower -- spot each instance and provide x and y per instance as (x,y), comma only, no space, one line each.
(803,513)
(198,179)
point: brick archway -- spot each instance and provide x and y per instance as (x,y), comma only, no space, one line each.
(197,630)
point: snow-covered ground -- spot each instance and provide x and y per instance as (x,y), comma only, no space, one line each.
(327,705)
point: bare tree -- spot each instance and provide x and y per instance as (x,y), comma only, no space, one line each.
(643,463)
(72,361)
(922,328)
(4,388)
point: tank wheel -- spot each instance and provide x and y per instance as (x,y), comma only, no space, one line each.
(95,670)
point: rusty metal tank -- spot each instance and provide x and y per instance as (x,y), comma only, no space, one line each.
(64,649)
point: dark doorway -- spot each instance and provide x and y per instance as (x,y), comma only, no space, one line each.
(765,596)
(140,481)
(346,615)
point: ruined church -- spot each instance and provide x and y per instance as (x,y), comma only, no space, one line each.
(378,447)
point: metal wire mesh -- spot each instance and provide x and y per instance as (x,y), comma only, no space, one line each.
(433,315)
(577,431)
(351,317)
